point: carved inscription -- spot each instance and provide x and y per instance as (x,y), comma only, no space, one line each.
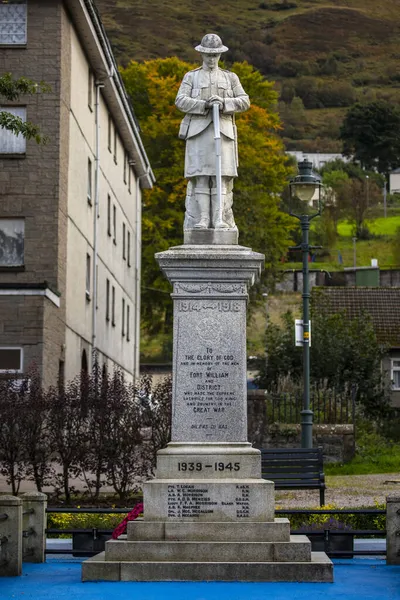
(210,370)
(209,392)
(214,305)
(194,500)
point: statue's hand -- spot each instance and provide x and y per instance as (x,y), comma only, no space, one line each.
(215,100)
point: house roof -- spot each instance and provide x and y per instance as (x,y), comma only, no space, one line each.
(381,304)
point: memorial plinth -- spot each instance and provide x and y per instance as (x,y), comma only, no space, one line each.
(208,514)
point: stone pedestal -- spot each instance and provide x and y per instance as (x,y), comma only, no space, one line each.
(208,514)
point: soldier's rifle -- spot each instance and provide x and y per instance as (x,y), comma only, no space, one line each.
(218,163)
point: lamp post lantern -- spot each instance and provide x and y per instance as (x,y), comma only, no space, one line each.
(305,205)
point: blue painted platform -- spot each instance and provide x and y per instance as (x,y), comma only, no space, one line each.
(359,578)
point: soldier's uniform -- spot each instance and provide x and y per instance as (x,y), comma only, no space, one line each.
(197,128)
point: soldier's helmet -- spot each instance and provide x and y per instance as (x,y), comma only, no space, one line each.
(211,44)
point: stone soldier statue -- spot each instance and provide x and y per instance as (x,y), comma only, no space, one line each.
(199,90)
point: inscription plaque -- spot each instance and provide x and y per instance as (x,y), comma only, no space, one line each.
(193,500)
(209,370)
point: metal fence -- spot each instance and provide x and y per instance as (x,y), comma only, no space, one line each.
(328,536)
(328,405)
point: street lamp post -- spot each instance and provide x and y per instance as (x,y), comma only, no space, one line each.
(305,192)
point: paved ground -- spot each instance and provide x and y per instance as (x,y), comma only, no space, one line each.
(366,579)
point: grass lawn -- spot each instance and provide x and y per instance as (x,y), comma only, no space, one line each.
(379,226)
(382,462)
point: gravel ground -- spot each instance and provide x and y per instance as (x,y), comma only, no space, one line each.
(344,491)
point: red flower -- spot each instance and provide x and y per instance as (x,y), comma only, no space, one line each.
(121,528)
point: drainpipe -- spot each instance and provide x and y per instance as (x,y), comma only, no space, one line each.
(138,246)
(98,86)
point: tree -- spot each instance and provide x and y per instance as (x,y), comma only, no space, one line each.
(12,89)
(344,352)
(152,87)
(371,134)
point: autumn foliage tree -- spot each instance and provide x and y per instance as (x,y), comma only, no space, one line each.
(263,171)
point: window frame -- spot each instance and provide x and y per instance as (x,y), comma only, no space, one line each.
(109,135)
(123,241)
(88,276)
(123,318)
(115,145)
(19,44)
(109,215)
(394,369)
(128,318)
(90,181)
(107,299)
(10,135)
(21,362)
(21,265)
(129,248)
(113,305)
(115,224)
(129,178)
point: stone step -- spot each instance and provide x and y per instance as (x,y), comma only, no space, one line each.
(297,549)
(318,570)
(272,531)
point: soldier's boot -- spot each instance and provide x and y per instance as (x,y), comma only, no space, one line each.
(203,205)
(217,212)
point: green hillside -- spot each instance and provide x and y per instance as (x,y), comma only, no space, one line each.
(323,54)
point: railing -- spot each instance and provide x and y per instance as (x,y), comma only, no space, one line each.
(328,534)
(328,405)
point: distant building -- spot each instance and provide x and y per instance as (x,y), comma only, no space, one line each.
(394,182)
(383,307)
(318,159)
(70,211)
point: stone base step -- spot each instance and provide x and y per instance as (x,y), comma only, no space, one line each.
(272,531)
(298,549)
(318,570)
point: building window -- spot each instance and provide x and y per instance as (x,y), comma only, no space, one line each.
(114,224)
(90,179)
(13,20)
(88,276)
(109,133)
(113,306)
(115,145)
(12,235)
(129,249)
(126,166)
(11,359)
(129,179)
(123,241)
(107,299)
(123,318)
(395,373)
(84,363)
(90,89)
(128,325)
(9,142)
(109,214)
